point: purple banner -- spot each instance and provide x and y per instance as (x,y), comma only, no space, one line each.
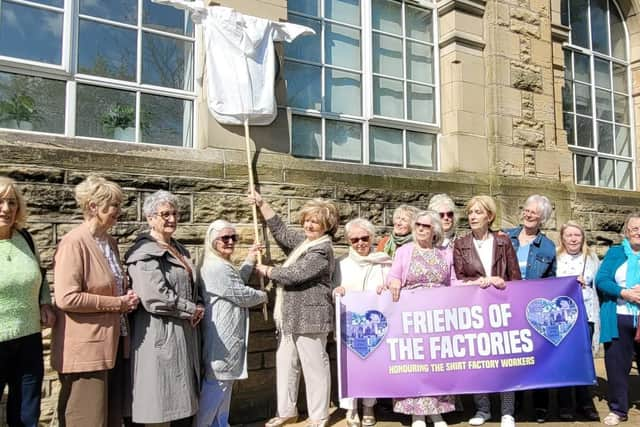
(463,339)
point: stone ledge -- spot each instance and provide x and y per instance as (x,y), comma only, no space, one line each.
(560,33)
(462,38)
(472,7)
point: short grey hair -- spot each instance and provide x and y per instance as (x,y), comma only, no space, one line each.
(439,200)
(436,226)
(544,206)
(160,197)
(362,223)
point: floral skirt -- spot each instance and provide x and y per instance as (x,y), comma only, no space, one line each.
(424,405)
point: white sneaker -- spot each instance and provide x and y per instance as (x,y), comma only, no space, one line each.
(479,418)
(438,421)
(418,421)
(507,421)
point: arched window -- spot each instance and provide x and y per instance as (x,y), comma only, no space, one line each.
(596,94)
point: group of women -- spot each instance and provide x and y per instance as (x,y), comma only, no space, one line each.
(153,339)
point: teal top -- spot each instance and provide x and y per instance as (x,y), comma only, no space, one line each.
(20,289)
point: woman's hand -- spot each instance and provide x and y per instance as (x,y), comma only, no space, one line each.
(381,288)
(47,316)
(254,250)
(130,300)
(255,198)
(340,290)
(264,270)
(632,295)
(394,287)
(581,280)
(497,282)
(197,315)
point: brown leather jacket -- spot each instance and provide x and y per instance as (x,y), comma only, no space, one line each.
(468,266)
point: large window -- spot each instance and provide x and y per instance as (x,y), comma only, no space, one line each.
(364,88)
(596,95)
(116,69)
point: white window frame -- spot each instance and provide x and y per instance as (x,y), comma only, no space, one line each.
(67,70)
(368,117)
(593,152)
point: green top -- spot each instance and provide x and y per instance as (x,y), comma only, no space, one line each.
(20,293)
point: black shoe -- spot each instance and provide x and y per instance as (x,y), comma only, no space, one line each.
(541,415)
(590,413)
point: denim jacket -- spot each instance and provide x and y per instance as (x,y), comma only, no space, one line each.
(541,261)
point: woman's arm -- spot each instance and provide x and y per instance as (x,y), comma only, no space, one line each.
(155,295)
(227,284)
(69,283)
(308,267)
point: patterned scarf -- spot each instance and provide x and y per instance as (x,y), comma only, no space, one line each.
(633,275)
(395,242)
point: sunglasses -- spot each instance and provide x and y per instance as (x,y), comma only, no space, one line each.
(363,239)
(229,238)
(422,224)
(446,214)
(168,214)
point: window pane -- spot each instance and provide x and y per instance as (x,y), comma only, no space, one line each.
(582,67)
(387,16)
(342,46)
(55,3)
(166,121)
(385,146)
(605,167)
(387,55)
(584,170)
(621,107)
(421,150)
(388,97)
(568,65)
(344,141)
(623,173)
(603,104)
(166,18)
(343,92)
(419,62)
(618,37)
(167,61)
(605,137)
(107,51)
(567,96)
(306,137)
(599,28)
(306,48)
(32,103)
(303,86)
(620,78)
(603,76)
(419,24)
(115,10)
(343,10)
(579,23)
(623,147)
(30,33)
(105,113)
(569,127)
(310,7)
(421,103)
(583,99)
(585,131)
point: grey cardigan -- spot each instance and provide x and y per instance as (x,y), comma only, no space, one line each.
(307,306)
(225,327)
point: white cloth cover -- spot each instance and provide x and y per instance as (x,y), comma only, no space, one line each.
(240,60)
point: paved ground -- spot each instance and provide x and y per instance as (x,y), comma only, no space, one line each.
(389,419)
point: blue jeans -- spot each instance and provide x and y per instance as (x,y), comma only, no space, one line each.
(215,399)
(22,369)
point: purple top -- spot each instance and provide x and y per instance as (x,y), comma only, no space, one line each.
(402,263)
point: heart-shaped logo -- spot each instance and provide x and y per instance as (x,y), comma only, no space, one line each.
(363,333)
(553,319)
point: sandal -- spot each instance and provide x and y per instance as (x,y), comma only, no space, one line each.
(281,421)
(614,419)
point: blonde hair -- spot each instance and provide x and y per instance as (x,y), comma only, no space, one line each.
(6,185)
(408,210)
(98,190)
(487,203)
(325,211)
(562,249)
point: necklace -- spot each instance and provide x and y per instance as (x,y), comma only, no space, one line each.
(480,242)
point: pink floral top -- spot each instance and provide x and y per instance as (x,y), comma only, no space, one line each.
(428,268)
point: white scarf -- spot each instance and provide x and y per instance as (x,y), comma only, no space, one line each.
(300,250)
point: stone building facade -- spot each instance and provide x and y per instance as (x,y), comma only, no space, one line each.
(499,126)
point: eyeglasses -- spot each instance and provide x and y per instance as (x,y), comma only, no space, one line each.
(633,230)
(446,214)
(363,239)
(229,238)
(530,212)
(423,225)
(168,214)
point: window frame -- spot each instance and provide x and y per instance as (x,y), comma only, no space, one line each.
(368,118)
(594,153)
(68,72)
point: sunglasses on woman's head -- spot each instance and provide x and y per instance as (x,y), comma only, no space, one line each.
(229,238)
(364,239)
(446,214)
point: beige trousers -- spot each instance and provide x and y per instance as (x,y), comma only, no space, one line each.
(308,352)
